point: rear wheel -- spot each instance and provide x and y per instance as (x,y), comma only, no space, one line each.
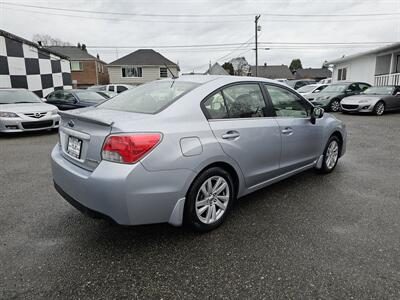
(331,155)
(335,106)
(209,200)
(379,108)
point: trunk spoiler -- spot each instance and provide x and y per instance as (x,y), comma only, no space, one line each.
(83,118)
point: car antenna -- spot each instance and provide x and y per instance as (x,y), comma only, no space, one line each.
(172,74)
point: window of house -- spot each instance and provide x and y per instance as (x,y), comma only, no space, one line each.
(131,72)
(287,104)
(76,66)
(342,74)
(163,72)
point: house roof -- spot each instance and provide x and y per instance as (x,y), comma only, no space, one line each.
(216,69)
(311,73)
(22,40)
(356,55)
(272,72)
(144,57)
(73,52)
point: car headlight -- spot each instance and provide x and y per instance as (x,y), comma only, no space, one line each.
(5,114)
(54,112)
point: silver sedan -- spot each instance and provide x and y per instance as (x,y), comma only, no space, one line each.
(376,99)
(183,150)
(21,110)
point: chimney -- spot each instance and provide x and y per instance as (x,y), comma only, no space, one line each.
(40,44)
(98,56)
(265,64)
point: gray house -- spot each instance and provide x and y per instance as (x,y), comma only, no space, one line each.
(313,73)
(141,66)
(272,72)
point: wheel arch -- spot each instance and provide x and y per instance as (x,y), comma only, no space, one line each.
(339,135)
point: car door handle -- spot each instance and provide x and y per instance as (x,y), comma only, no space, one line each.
(287,131)
(230,135)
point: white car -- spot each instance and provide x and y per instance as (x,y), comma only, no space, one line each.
(310,91)
(21,110)
(117,88)
(325,81)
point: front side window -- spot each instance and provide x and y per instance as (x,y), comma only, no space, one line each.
(215,106)
(287,104)
(121,88)
(163,72)
(244,101)
(76,66)
(131,72)
(149,98)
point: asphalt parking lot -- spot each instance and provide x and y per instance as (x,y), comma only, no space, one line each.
(310,236)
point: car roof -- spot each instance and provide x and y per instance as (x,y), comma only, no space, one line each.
(201,79)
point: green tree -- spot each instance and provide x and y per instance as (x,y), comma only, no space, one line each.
(229,68)
(295,65)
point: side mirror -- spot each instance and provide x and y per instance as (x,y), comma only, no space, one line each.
(316,113)
(397,94)
(348,91)
(316,91)
(43,99)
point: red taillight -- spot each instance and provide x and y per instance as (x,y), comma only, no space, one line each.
(129,149)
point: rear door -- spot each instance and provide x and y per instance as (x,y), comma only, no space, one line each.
(242,123)
(301,140)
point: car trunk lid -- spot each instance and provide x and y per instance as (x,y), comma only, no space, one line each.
(83,132)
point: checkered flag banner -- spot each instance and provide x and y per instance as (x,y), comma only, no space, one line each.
(25,66)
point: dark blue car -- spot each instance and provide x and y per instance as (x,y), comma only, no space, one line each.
(72,99)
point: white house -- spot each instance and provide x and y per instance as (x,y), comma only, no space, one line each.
(141,66)
(379,66)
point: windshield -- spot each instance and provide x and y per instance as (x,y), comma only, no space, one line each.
(307,88)
(335,88)
(90,96)
(149,98)
(379,90)
(18,96)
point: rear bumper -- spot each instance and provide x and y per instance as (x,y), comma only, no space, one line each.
(127,194)
(10,125)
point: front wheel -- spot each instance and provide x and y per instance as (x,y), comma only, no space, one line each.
(379,108)
(209,200)
(335,106)
(331,155)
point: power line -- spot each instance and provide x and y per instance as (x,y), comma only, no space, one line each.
(200,15)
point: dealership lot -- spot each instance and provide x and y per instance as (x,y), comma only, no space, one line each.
(310,236)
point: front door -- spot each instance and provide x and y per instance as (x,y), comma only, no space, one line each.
(301,140)
(240,121)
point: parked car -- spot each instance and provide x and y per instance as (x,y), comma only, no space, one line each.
(330,97)
(296,84)
(21,110)
(376,99)
(181,151)
(107,94)
(117,88)
(72,99)
(311,91)
(325,81)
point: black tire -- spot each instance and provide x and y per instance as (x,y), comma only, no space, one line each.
(334,106)
(379,108)
(325,169)
(190,217)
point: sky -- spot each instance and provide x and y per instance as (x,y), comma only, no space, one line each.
(115,28)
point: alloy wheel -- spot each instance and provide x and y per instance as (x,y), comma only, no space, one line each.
(332,154)
(380,108)
(212,199)
(335,106)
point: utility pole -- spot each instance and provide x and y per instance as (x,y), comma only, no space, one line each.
(257,29)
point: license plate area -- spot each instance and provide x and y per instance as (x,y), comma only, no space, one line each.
(74,147)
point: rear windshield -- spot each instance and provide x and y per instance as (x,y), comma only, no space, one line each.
(379,90)
(90,96)
(149,98)
(335,88)
(18,96)
(306,88)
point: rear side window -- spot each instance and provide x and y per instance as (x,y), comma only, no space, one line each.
(149,98)
(215,106)
(244,101)
(121,88)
